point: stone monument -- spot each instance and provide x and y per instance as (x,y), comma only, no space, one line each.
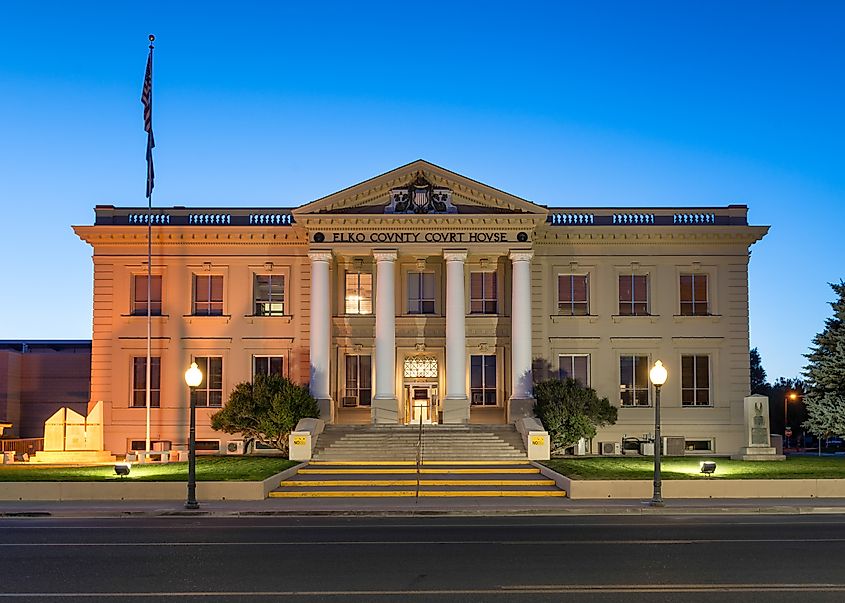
(757,447)
(71,438)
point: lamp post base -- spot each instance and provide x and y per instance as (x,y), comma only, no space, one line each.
(656,502)
(192,505)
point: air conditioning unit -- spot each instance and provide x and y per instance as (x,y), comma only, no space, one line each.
(235,447)
(610,447)
(674,445)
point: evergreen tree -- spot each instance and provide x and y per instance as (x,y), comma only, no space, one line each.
(759,385)
(825,373)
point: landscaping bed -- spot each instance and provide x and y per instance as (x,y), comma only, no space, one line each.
(209,468)
(688,468)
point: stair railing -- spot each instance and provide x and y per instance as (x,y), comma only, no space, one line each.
(419,453)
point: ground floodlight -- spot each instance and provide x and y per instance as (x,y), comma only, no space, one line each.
(122,469)
(708,468)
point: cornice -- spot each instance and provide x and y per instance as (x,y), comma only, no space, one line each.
(670,235)
(104,236)
(403,221)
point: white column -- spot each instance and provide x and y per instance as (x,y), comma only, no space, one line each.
(456,402)
(385,407)
(320,336)
(522,401)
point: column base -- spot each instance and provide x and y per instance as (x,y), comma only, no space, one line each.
(519,408)
(455,410)
(326,407)
(384,411)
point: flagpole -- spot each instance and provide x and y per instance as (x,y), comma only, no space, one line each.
(147,100)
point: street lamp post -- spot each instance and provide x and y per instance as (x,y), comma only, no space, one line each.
(786,398)
(193,377)
(658,376)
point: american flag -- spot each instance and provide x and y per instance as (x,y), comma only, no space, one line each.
(147,101)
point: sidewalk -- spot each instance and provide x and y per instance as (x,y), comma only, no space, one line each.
(408,507)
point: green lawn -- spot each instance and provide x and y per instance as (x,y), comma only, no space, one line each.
(689,468)
(209,468)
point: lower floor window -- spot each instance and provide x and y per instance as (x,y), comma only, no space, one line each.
(633,380)
(139,382)
(699,445)
(267,365)
(576,366)
(695,380)
(210,390)
(483,380)
(358,389)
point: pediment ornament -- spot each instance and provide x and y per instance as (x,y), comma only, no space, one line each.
(420,197)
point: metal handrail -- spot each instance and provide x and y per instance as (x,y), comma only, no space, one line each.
(419,452)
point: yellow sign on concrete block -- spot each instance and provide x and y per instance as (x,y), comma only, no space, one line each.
(538,441)
(299,440)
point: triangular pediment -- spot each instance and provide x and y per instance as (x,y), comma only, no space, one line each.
(438,191)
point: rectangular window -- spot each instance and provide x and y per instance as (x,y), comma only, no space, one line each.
(695,380)
(633,380)
(420,293)
(482,380)
(359,293)
(633,295)
(575,366)
(573,294)
(139,382)
(208,295)
(210,390)
(483,293)
(139,295)
(267,365)
(269,294)
(694,300)
(705,445)
(358,388)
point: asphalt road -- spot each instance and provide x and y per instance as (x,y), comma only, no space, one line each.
(597,558)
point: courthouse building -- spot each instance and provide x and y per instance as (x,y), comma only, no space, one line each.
(424,295)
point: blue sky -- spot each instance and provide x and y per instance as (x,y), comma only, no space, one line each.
(565,104)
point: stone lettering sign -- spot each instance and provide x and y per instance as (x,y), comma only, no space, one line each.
(419,237)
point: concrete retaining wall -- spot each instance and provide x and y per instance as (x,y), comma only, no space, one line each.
(706,488)
(126,489)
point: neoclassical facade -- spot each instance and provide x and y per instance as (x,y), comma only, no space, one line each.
(422,295)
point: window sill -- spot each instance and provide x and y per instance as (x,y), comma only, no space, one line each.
(698,406)
(135,318)
(283,318)
(617,318)
(679,318)
(203,318)
(564,318)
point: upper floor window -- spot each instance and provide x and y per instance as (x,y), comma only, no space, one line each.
(695,380)
(268,365)
(633,294)
(633,380)
(483,293)
(482,380)
(573,294)
(139,295)
(208,295)
(210,391)
(694,300)
(269,294)
(139,381)
(420,293)
(576,366)
(359,293)
(358,386)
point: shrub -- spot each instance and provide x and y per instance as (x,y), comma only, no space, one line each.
(570,412)
(266,410)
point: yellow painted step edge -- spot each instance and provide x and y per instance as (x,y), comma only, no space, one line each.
(425,493)
(412,463)
(424,482)
(308,470)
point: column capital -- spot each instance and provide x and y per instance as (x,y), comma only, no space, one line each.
(320,255)
(385,255)
(455,255)
(521,255)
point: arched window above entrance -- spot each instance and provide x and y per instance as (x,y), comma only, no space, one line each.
(420,366)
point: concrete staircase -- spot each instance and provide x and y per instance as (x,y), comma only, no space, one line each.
(439,443)
(394,479)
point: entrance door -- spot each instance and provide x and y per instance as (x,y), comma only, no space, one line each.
(421,403)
